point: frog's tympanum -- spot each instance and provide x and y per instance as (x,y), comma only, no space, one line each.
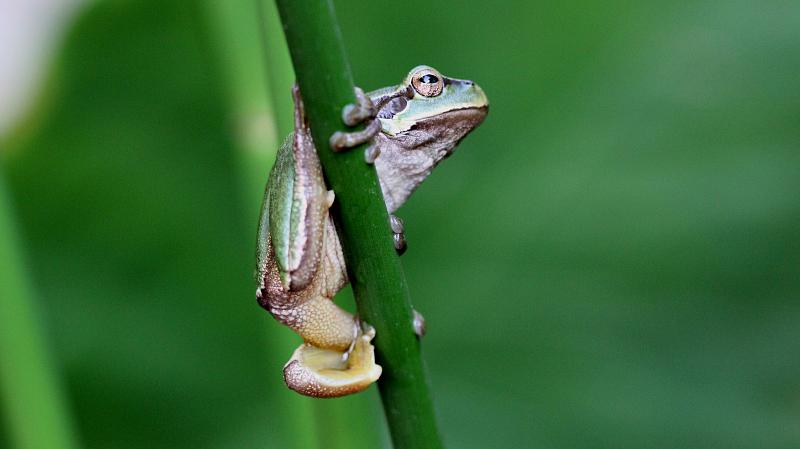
(410,129)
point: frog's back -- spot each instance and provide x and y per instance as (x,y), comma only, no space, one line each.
(294,212)
(278,205)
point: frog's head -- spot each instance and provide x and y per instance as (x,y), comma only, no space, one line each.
(427,97)
(422,121)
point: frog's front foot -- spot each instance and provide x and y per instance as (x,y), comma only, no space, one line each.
(419,323)
(353,114)
(398,236)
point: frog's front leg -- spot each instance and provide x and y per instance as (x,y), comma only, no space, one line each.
(353,114)
(399,236)
(418,321)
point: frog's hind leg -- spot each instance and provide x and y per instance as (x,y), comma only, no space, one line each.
(297,208)
(338,357)
(324,324)
(311,312)
(324,373)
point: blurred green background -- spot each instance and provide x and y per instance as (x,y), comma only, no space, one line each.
(611,261)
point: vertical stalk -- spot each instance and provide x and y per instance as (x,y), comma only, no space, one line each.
(381,293)
(258,77)
(33,399)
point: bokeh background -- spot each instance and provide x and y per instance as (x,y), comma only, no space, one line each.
(611,261)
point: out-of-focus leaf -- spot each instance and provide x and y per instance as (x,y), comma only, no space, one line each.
(127,192)
(613,259)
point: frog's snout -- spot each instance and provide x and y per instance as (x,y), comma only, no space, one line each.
(476,94)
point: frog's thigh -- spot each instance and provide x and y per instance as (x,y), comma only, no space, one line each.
(324,324)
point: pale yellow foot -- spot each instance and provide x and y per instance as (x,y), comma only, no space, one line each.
(326,373)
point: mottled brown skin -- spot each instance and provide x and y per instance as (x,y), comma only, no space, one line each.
(408,158)
(311,311)
(314,316)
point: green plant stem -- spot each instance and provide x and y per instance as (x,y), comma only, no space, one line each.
(379,285)
(33,400)
(257,71)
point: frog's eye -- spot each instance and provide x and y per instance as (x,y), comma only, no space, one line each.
(427,82)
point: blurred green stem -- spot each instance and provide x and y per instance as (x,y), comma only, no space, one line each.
(32,396)
(381,293)
(252,109)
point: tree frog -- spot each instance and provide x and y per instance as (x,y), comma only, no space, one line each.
(410,129)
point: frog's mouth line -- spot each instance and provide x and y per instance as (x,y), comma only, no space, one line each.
(444,130)
(480,110)
(469,117)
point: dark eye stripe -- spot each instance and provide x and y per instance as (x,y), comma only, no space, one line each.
(393,107)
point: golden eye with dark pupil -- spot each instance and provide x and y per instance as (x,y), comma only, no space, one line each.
(427,85)
(429,79)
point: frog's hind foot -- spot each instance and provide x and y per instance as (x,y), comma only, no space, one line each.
(329,373)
